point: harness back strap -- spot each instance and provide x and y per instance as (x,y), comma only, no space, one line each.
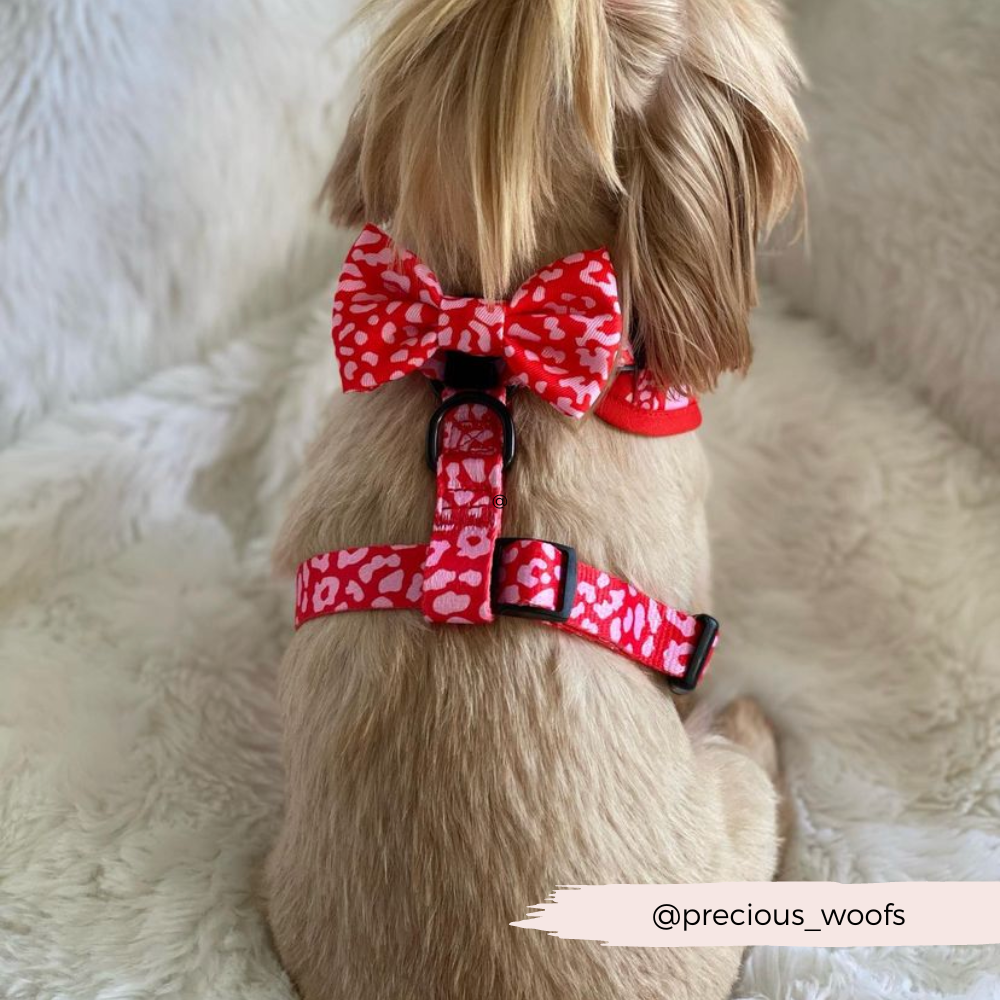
(468,457)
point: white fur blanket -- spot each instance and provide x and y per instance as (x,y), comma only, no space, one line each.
(161,363)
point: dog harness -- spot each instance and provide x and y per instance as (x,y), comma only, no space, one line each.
(560,336)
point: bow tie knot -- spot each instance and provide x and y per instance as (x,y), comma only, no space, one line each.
(559,335)
(473,326)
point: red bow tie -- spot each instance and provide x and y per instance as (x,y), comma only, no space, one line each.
(559,335)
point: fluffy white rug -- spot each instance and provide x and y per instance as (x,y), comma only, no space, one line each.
(857,551)
(159,164)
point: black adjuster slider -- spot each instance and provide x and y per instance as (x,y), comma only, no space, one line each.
(708,631)
(567,586)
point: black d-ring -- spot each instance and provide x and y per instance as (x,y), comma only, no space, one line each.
(461,399)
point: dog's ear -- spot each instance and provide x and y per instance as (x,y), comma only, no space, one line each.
(709,164)
(342,190)
(351,202)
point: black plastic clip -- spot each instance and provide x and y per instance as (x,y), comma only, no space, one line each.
(708,631)
(567,586)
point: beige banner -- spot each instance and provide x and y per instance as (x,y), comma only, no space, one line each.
(800,914)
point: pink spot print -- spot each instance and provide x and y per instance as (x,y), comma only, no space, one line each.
(325,595)
(416,588)
(640,621)
(683,623)
(674,651)
(439,580)
(436,551)
(473,543)
(475,470)
(367,572)
(392,584)
(351,557)
(652,615)
(451,604)
(544,598)
(396,280)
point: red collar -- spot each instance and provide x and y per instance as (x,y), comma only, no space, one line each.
(635,403)
(564,325)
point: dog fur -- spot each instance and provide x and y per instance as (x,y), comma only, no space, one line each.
(440,780)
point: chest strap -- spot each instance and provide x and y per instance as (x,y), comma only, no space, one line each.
(529,579)
(466,575)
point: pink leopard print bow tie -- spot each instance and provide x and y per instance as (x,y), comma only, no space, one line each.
(559,335)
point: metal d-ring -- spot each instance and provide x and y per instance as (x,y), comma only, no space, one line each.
(474,398)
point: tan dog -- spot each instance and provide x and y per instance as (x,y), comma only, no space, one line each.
(441,779)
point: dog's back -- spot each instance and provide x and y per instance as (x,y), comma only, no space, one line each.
(441,780)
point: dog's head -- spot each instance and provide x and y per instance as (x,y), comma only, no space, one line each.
(493,136)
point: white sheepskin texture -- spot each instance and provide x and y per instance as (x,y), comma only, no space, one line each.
(903,256)
(159,167)
(165,358)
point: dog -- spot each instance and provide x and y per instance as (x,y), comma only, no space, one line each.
(442,778)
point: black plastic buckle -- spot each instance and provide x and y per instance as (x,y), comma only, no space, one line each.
(707,632)
(461,399)
(567,586)
(469,371)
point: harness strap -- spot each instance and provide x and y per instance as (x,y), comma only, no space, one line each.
(558,337)
(529,578)
(467,450)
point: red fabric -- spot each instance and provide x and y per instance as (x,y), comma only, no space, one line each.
(605,609)
(634,403)
(559,335)
(456,587)
(376,578)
